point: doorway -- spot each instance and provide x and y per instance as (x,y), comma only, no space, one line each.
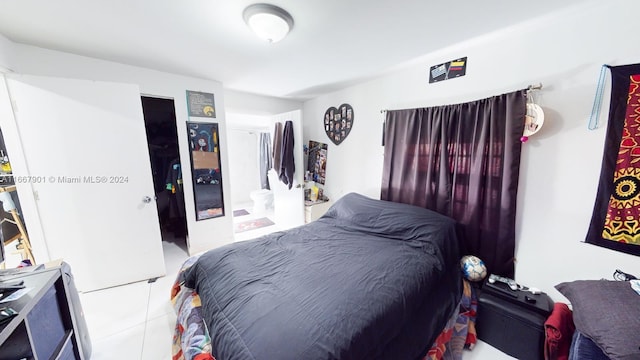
(164,154)
(287,206)
(250,219)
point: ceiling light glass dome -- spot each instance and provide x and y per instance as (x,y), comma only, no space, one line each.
(269,22)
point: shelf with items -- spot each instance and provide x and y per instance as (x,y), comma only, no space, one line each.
(6,173)
(313,192)
(45,326)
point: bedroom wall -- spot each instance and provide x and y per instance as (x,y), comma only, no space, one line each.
(237,102)
(560,165)
(6,51)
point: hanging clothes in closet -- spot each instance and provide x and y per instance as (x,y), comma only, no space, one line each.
(174,189)
(174,186)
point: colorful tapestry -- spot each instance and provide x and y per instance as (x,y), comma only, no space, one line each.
(615,223)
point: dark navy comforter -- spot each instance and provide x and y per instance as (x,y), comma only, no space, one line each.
(369,280)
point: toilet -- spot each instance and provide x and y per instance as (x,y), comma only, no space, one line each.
(262,200)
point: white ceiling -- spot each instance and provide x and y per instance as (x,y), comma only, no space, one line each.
(333,42)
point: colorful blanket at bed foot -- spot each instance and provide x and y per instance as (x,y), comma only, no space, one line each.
(191,339)
(460,331)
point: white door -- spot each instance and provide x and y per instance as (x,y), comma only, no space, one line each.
(288,204)
(85,147)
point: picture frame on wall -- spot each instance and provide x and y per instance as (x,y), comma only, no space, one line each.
(338,122)
(201,104)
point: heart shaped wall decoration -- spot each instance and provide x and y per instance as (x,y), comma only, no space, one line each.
(338,122)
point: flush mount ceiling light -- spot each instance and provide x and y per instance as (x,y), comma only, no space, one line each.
(269,22)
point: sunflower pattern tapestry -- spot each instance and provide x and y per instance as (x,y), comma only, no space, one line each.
(615,223)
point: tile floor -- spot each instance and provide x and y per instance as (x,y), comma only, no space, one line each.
(136,321)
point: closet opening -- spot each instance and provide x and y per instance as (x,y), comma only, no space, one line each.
(162,138)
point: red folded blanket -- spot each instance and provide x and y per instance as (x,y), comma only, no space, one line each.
(559,330)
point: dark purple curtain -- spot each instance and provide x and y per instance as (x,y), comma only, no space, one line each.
(462,161)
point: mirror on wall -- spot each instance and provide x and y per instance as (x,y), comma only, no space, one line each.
(206,173)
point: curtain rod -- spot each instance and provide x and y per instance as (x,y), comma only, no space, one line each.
(529,88)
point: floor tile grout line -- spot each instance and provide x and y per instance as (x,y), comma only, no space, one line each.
(146,321)
(116,332)
(159,316)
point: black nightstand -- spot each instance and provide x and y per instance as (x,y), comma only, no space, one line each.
(513,321)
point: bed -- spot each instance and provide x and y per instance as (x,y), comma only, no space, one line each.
(370,279)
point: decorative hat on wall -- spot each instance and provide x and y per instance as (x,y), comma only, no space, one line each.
(534,117)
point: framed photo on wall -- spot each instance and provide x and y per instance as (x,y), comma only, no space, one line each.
(338,122)
(201,104)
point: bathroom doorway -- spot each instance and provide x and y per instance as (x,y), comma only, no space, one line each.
(249,220)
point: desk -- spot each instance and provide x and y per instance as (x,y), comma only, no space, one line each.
(44,327)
